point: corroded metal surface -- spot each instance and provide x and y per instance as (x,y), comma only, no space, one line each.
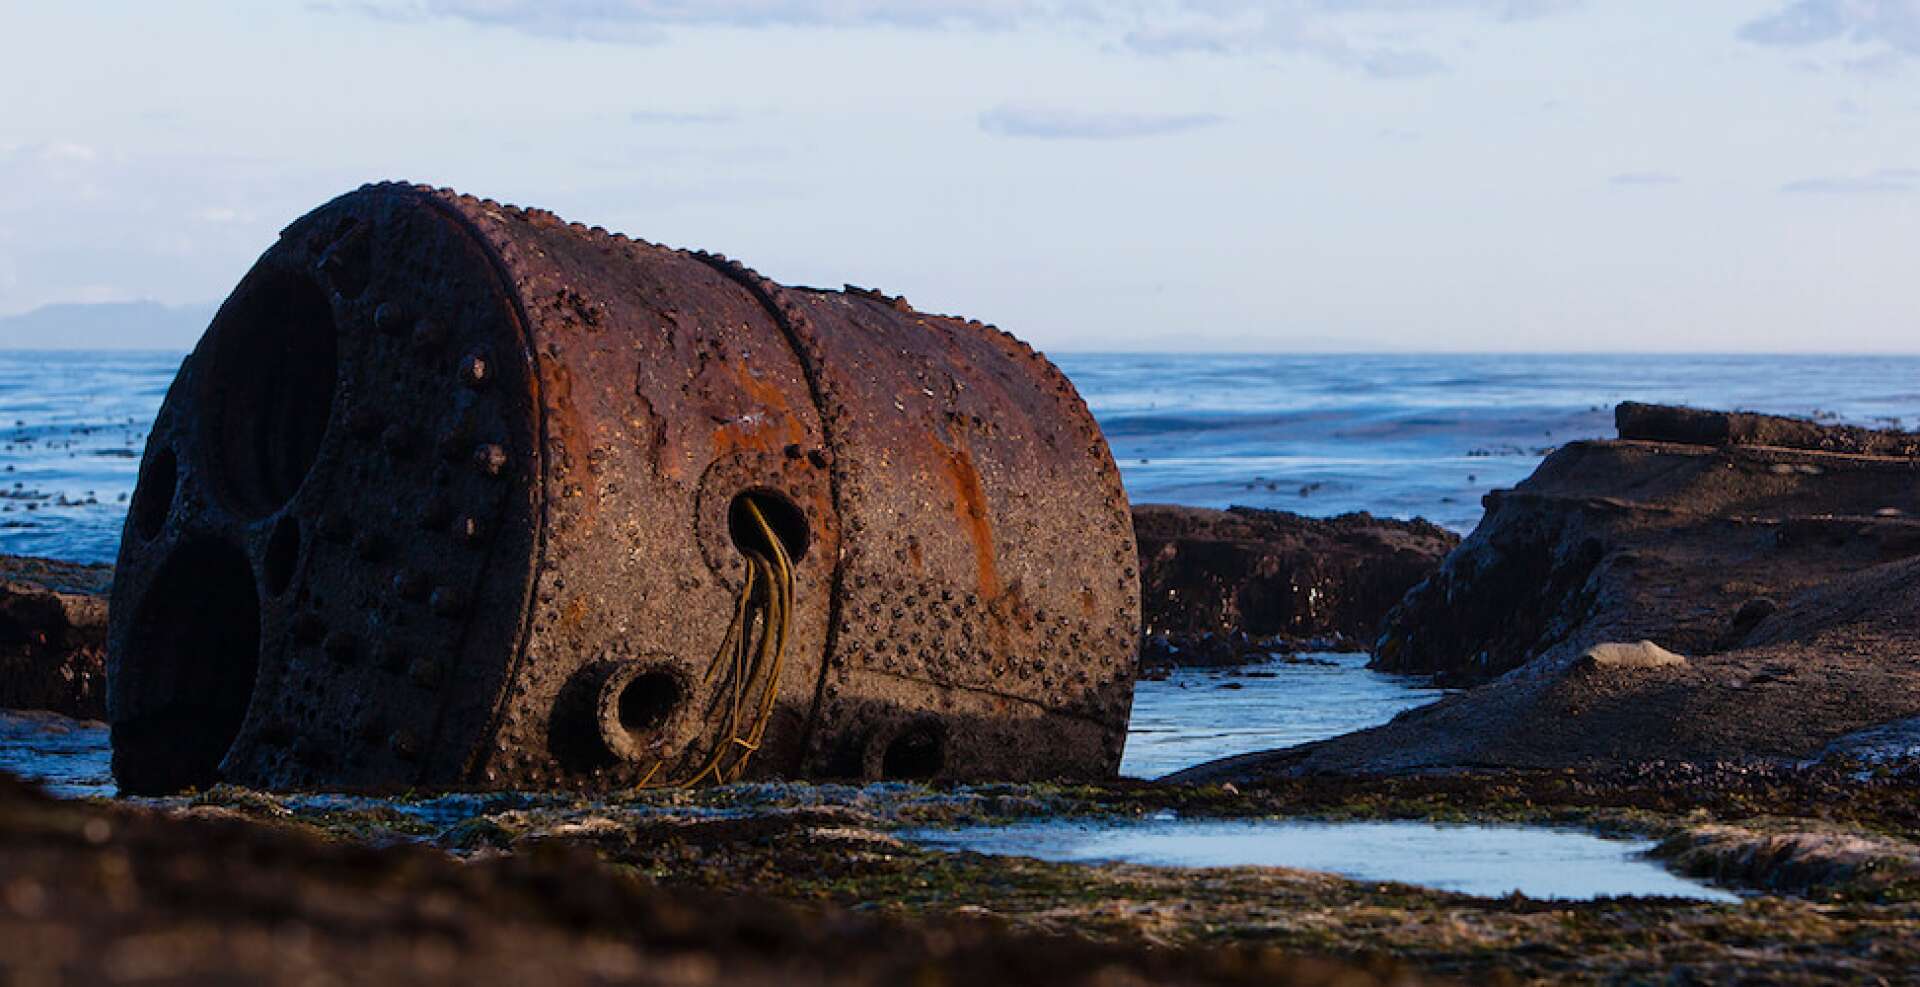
(450,495)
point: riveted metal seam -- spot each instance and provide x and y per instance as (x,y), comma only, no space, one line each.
(523,324)
(798,336)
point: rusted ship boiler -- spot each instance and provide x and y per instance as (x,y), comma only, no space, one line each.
(458,494)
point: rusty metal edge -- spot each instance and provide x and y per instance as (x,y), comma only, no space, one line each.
(448,203)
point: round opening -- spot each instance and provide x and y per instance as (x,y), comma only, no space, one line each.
(642,710)
(647,702)
(183,684)
(917,754)
(788,522)
(283,552)
(153,493)
(272,375)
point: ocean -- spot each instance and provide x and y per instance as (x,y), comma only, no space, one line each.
(1397,436)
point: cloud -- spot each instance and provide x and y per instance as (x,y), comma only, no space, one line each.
(1894,23)
(181,223)
(1883,182)
(1051,123)
(1643,179)
(695,118)
(1334,30)
(645,21)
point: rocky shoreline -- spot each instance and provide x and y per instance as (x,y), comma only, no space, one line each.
(53,636)
(1218,587)
(1652,598)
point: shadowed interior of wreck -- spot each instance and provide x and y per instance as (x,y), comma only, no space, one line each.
(186,683)
(274,362)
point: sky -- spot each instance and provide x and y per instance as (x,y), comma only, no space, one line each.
(1287,175)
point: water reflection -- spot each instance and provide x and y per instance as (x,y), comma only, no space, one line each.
(1199,715)
(1481,860)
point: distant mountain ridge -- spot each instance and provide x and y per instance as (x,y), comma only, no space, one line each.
(106,325)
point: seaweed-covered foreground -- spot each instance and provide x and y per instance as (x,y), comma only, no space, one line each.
(812,884)
(95,893)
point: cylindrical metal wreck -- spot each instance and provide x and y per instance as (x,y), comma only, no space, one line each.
(458,494)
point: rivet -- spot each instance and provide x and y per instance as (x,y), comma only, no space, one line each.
(410,585)
(469,529)
(390,318)
(474,370)
(491,458)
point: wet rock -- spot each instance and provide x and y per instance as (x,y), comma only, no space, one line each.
(1220,586)
(1687,545)
(53,625)
(1777,569)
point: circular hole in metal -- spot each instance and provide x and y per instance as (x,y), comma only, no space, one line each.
(283,552)
(788,521)
(183,684)
(153,493)
(271,377)
(647,701)
(918,753)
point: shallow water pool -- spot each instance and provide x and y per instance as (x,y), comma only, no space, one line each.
(1202,714)
(69,758)
(1491,861)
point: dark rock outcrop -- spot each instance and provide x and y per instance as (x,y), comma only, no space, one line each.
(1218,585)
(53,627)
(1693,426)
(1781,582)
(1660,538)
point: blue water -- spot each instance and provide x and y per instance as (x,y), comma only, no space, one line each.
(1400,436)
(1424,436)
(1490,861)
(72,427)
(1278,702)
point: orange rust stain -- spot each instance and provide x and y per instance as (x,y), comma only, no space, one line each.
(573,617)
(970,509)
(564,424)
(1087,601)
(770,425)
